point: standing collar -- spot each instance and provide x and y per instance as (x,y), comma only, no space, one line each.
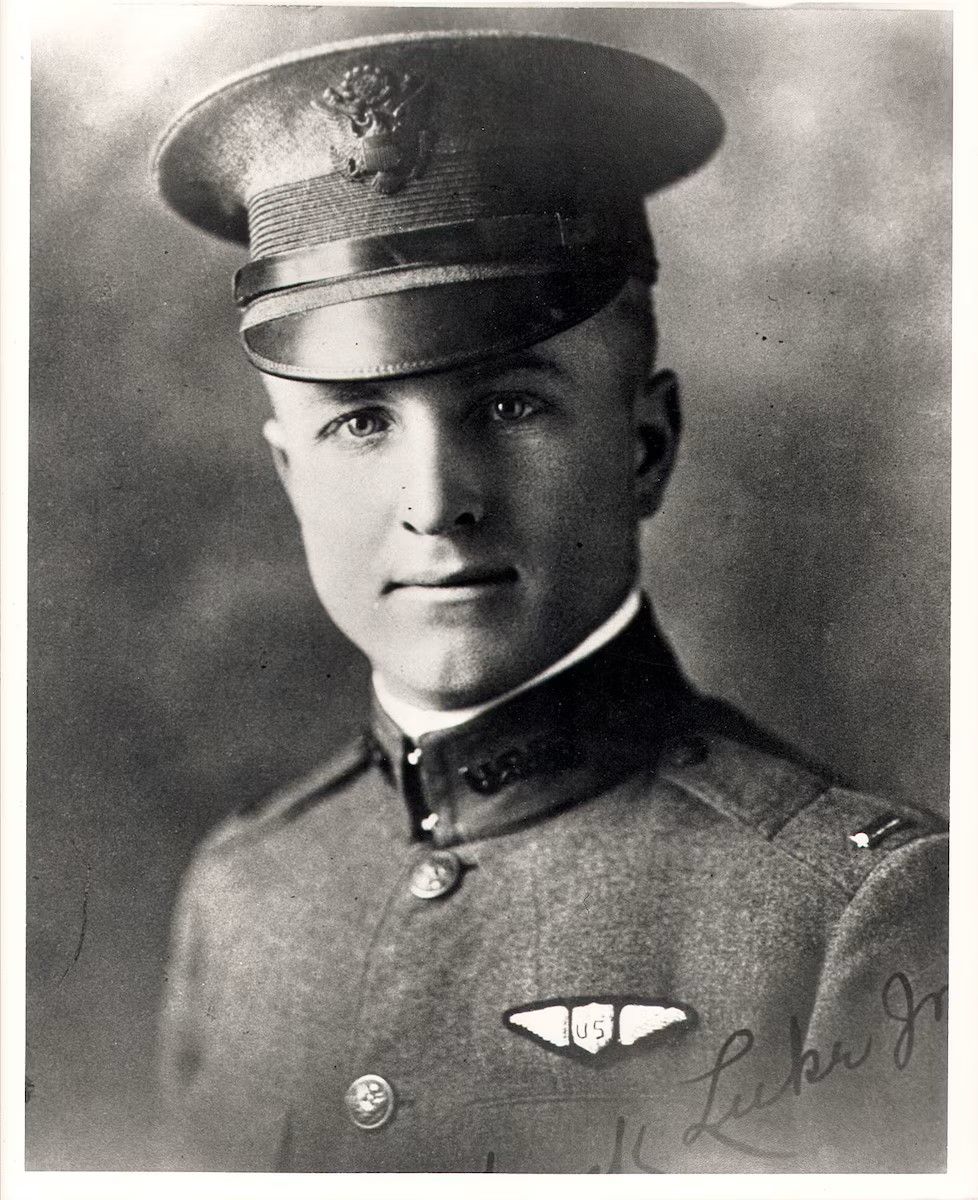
(416,722)
(568,737)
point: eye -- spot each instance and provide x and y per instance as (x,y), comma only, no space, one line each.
(359,426)
(364,424)
(512,406)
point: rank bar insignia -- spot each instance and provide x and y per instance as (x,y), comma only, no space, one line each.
(600,1028)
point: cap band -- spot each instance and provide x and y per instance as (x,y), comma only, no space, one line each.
(548,236)
(325,293)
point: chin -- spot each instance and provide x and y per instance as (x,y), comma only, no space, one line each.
(458,677)
(444,691)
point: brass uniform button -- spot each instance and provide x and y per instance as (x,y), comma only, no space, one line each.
(369,1102)
(435,875)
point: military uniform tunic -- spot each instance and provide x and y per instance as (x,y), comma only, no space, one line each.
(354,963)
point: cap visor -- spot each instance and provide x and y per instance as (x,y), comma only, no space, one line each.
(423,329)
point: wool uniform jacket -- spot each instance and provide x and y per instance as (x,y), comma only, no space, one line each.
(605,926)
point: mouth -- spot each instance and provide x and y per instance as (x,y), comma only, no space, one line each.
(465,580)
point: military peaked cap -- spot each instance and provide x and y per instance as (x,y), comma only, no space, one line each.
(420,201)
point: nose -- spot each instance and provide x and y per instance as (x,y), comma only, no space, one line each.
(442,490)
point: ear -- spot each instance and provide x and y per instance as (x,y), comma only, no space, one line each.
(657,429)
(274,434)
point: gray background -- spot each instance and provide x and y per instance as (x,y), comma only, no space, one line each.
(179,664)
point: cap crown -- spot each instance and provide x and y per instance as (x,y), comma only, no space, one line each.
(367,169)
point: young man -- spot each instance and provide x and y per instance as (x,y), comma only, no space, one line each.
(555,911)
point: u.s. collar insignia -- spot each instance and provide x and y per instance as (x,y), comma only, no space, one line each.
(385,142)
(600,1028)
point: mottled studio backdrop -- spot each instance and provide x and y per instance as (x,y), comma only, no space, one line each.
(179,662)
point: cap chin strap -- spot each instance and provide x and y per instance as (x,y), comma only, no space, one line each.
(546,241)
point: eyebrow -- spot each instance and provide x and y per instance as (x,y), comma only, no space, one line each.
(342,393)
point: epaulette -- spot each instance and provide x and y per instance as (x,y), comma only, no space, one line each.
(291,801)
(839,833)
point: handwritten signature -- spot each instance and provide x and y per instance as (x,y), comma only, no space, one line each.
(807,1067)
(898,1004)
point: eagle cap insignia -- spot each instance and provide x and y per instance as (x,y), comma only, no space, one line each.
(599,1029)
(386,142)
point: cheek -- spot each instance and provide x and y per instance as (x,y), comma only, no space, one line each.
(603,508)
(329,496)
(591,481)
(343,523)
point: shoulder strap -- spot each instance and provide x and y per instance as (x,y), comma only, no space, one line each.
(846,834)
(748,785)
(840,833)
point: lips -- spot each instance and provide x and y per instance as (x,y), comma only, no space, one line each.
(464,577)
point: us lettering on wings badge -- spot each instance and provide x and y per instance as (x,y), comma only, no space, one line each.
(598,1029)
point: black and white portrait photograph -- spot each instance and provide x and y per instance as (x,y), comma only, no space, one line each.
(488,606)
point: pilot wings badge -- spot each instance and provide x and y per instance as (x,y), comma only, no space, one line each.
(598,1029)
(380,138)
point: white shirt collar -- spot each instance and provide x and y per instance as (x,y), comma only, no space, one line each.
(416,722)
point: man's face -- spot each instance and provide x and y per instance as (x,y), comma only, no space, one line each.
(465,529)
